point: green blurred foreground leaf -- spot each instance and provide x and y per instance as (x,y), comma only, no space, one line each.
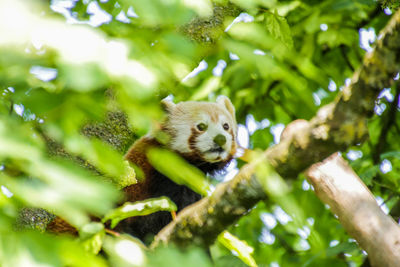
(124,251)
(171,256)
(60,187)
(37,249)
(243,250)
(178,170)
(139,208)
(92,236)
(103,156)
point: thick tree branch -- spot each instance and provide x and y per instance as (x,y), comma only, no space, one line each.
(335,127)
(343,122)
(202,222)
(337,185)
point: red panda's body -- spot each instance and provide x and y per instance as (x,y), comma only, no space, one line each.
(202,133)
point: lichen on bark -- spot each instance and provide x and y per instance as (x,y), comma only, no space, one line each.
(114,130)
(208,30)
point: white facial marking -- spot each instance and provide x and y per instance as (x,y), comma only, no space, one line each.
(183,124)
(180,141)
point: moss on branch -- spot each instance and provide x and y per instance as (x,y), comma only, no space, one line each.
(207,31)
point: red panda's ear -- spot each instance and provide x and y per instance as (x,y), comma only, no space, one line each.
(227,104)
(167,105)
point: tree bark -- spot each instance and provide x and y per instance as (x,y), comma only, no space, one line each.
(336,127)
(342,123)
(202,222)
(337,185)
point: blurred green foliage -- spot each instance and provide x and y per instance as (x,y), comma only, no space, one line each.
(182,173)
(66,65)
(139,208)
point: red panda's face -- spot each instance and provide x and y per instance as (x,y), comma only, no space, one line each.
(206,131)
(212,136)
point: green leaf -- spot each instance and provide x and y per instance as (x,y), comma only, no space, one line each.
(228,260)
(278,27)
(156,13)
(124,250)
(261,138)
(178,170)
(91,236)
(390,154)
(253,33)
(334,38)
(90,229)
(38,249)
(98,153)
(82,78)
(340,248)
(139,208)
(243,250)
(209,86)
(369,173)
(270,180)
(178,257)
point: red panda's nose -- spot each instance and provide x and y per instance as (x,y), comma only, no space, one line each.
(220,140)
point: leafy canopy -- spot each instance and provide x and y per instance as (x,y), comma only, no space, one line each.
(68,69)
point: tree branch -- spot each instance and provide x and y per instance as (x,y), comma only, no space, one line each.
(335,127)
(202,222)
(343,122)
(337,185)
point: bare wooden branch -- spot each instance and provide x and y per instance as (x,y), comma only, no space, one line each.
(337,185)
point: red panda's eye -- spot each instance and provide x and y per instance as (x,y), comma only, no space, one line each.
(226,126)
(202,126)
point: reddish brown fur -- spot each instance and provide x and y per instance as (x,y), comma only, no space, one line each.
(192,143)
(137,155)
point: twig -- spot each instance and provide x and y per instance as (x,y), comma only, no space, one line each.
(111,232)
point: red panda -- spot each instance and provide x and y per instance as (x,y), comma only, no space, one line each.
(204,134)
